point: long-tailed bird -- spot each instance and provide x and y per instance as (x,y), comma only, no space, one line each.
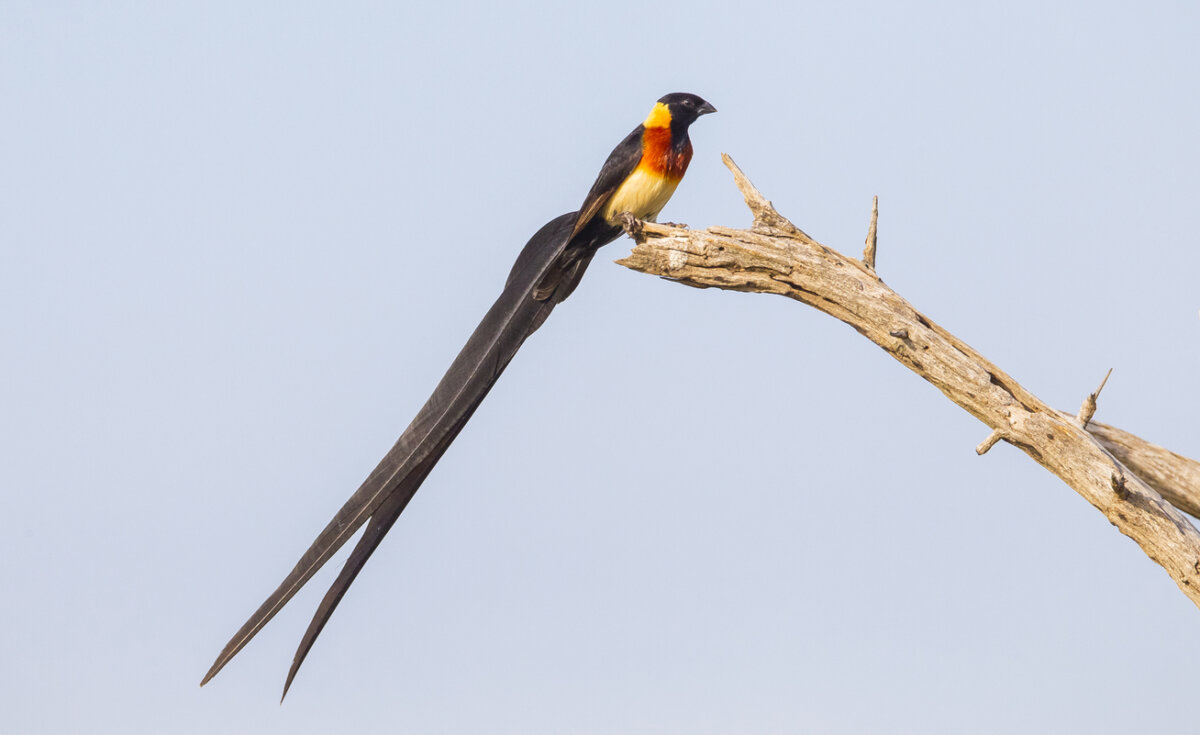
(638,178)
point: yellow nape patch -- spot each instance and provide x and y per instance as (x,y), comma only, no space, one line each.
(659,117)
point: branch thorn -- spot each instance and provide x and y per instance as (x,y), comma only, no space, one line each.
(990,442)
(1118,484)
(1088,409)
(869,251)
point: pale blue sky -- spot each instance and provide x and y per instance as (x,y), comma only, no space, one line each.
(239,245)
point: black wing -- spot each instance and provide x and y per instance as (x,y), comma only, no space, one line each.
(617,167)
(584,239)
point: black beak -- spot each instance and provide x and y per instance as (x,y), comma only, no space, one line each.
(704,109)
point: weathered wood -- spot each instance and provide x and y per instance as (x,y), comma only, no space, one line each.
(1138,486)
(1175,477)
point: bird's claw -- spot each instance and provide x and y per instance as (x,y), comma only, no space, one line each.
(632,225)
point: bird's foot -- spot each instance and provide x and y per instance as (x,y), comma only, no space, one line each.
(632,225)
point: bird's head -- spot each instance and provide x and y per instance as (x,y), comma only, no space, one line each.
(677,110)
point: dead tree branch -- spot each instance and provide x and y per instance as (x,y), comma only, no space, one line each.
(1138,486)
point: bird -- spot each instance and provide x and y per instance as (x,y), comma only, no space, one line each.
(637,178)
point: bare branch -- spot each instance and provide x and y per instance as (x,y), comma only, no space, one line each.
(1116,472)
(766,219)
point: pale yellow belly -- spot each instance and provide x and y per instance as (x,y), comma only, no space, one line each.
(644,194)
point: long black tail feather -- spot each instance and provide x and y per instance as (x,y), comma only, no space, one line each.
(545,273)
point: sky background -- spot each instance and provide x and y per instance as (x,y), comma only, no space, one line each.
(239,243)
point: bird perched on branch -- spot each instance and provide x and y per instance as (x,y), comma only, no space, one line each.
(638,178)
